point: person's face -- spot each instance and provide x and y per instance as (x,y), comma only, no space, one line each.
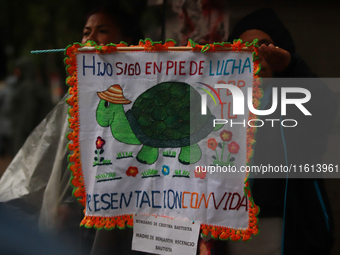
(100,28)
(263,38)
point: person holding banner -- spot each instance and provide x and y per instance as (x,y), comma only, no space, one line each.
(37,180)
(295,216)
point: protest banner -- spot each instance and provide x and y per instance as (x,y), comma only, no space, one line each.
(154,134)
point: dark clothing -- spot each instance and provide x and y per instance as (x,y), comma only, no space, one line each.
(301,202)
(308,223)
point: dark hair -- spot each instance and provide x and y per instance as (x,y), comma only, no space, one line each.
(126,23)
(267,21)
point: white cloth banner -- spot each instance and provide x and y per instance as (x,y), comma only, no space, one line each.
(146,145)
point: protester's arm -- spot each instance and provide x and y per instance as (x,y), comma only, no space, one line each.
(285,64)
(278,59)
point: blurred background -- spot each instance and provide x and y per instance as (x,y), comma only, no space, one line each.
(31,84)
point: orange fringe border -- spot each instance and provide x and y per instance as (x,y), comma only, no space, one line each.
(77,178)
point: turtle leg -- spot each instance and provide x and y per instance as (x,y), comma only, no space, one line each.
(190,154)
(147,155)
(218,126)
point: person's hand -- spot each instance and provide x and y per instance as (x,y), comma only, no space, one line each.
(278,59)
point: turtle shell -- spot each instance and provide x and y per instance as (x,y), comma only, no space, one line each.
(169,115)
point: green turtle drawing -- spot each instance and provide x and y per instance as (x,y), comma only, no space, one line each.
(168,115)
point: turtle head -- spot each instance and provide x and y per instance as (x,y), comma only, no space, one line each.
(111,103)
(105,113)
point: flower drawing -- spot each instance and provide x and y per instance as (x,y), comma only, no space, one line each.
(165,170)
(132,171)
(99,158)
(200,172)
(212,143)
(100,143)
(226,136)
(233,147)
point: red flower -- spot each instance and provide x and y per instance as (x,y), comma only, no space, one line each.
(214,234)
(226,135)
(199,173)
(233,147)
(121,224)
(130,223)
(212,143)
(205,232)
(100,143)
(132,171)
(225,235)
(99,224)
(110,224)
(246,237)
